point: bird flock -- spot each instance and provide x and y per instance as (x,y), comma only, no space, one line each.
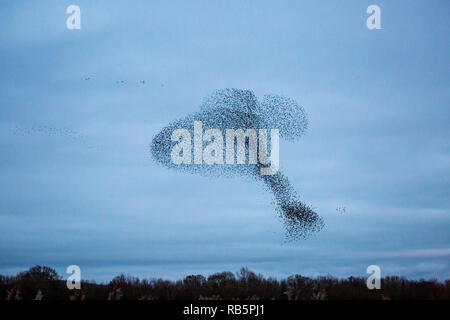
(142,82)
(236,108)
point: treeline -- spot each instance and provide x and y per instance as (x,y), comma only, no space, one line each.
(44,283)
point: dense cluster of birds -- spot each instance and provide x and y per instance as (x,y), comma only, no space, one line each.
(240,109)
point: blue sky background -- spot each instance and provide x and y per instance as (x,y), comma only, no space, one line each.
(378,141)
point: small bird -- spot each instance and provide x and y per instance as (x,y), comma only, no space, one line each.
(142,81)
(88,78)
(340,209)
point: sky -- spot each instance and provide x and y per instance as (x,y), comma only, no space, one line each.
(78,185)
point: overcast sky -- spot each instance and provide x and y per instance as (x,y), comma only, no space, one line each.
(78,185)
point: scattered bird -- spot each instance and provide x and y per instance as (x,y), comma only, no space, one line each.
(44,130)
(123,81)
(340,209)
(66,133)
